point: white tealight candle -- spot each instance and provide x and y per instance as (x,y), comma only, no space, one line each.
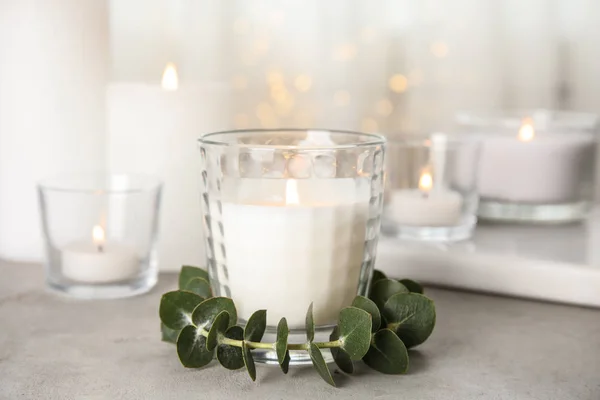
(98,261)
(284,255)
(533,169)
(425,207)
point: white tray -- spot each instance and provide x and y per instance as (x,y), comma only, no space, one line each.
(552,263)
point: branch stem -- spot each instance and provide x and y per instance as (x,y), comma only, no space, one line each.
(271,346)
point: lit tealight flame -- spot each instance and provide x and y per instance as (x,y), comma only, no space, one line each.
(425,182)
(526,132)
(98,237)
(170,80)
(291,192)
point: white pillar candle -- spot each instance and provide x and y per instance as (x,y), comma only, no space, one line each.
(532,168)
(153,129)
(425,207)
(98,261)
(54,59)
(283,255)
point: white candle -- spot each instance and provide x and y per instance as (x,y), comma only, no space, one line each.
(154,129)
(425,207)
(283,255)
(54,60)
(98,261)
(534,169)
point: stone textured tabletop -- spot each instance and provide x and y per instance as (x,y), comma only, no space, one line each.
(52,347)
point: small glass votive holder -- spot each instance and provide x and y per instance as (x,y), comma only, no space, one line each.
(536,165)
(431,192)
(291,217)
(100,233)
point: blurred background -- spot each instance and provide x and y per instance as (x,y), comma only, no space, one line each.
(376,65)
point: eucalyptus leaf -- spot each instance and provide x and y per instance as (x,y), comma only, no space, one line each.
(369,306)
(341,358)
(355,331)
(387,354)
(283,355)
(176,308)
(167,334)
(191,348)
(377,276)
(219,326)
(411,316)
(188,273)
(200,286)
(231,356)
(412,286)
(249,361)
(255,327)
(285,365)
(384,289)
(310,324)
(319,363)
(204,314)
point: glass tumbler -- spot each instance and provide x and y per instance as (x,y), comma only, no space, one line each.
(291,218)
(536,166)
(100,233)
(431,192)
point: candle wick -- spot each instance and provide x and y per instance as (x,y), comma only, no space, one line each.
(100,248)
(425,194)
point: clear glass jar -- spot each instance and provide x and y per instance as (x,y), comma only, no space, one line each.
(100,233)
(291,218)
(535,165)
(431,192)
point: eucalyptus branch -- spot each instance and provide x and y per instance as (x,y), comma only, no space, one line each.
(377,330)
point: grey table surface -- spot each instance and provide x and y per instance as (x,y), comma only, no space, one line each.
(483,347)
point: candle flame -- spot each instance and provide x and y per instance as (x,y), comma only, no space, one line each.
(98,235)
(291,192)
(526,132)
(425,182)
(170,80)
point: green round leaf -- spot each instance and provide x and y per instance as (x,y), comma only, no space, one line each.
(341,358)
(231,356)
(285,365)
(191,348)
(283,355)
(219,326)
(200,286)
(411,316)
(205,312)
(377,276)
(387,354)
(167,334)
(310,324)
(249,361)
(412,286)
(384,289)
(319,363)
(355,331)
(369,306)
(255,327)
(176,308)
(188,273)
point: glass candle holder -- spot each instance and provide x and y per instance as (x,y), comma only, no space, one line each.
(100,233)
(535,166)
(291,218)
(431,189)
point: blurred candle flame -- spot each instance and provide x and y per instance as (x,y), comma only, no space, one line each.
(291,192)
(425,182)
(170,80)
(98,235)
(526,132)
